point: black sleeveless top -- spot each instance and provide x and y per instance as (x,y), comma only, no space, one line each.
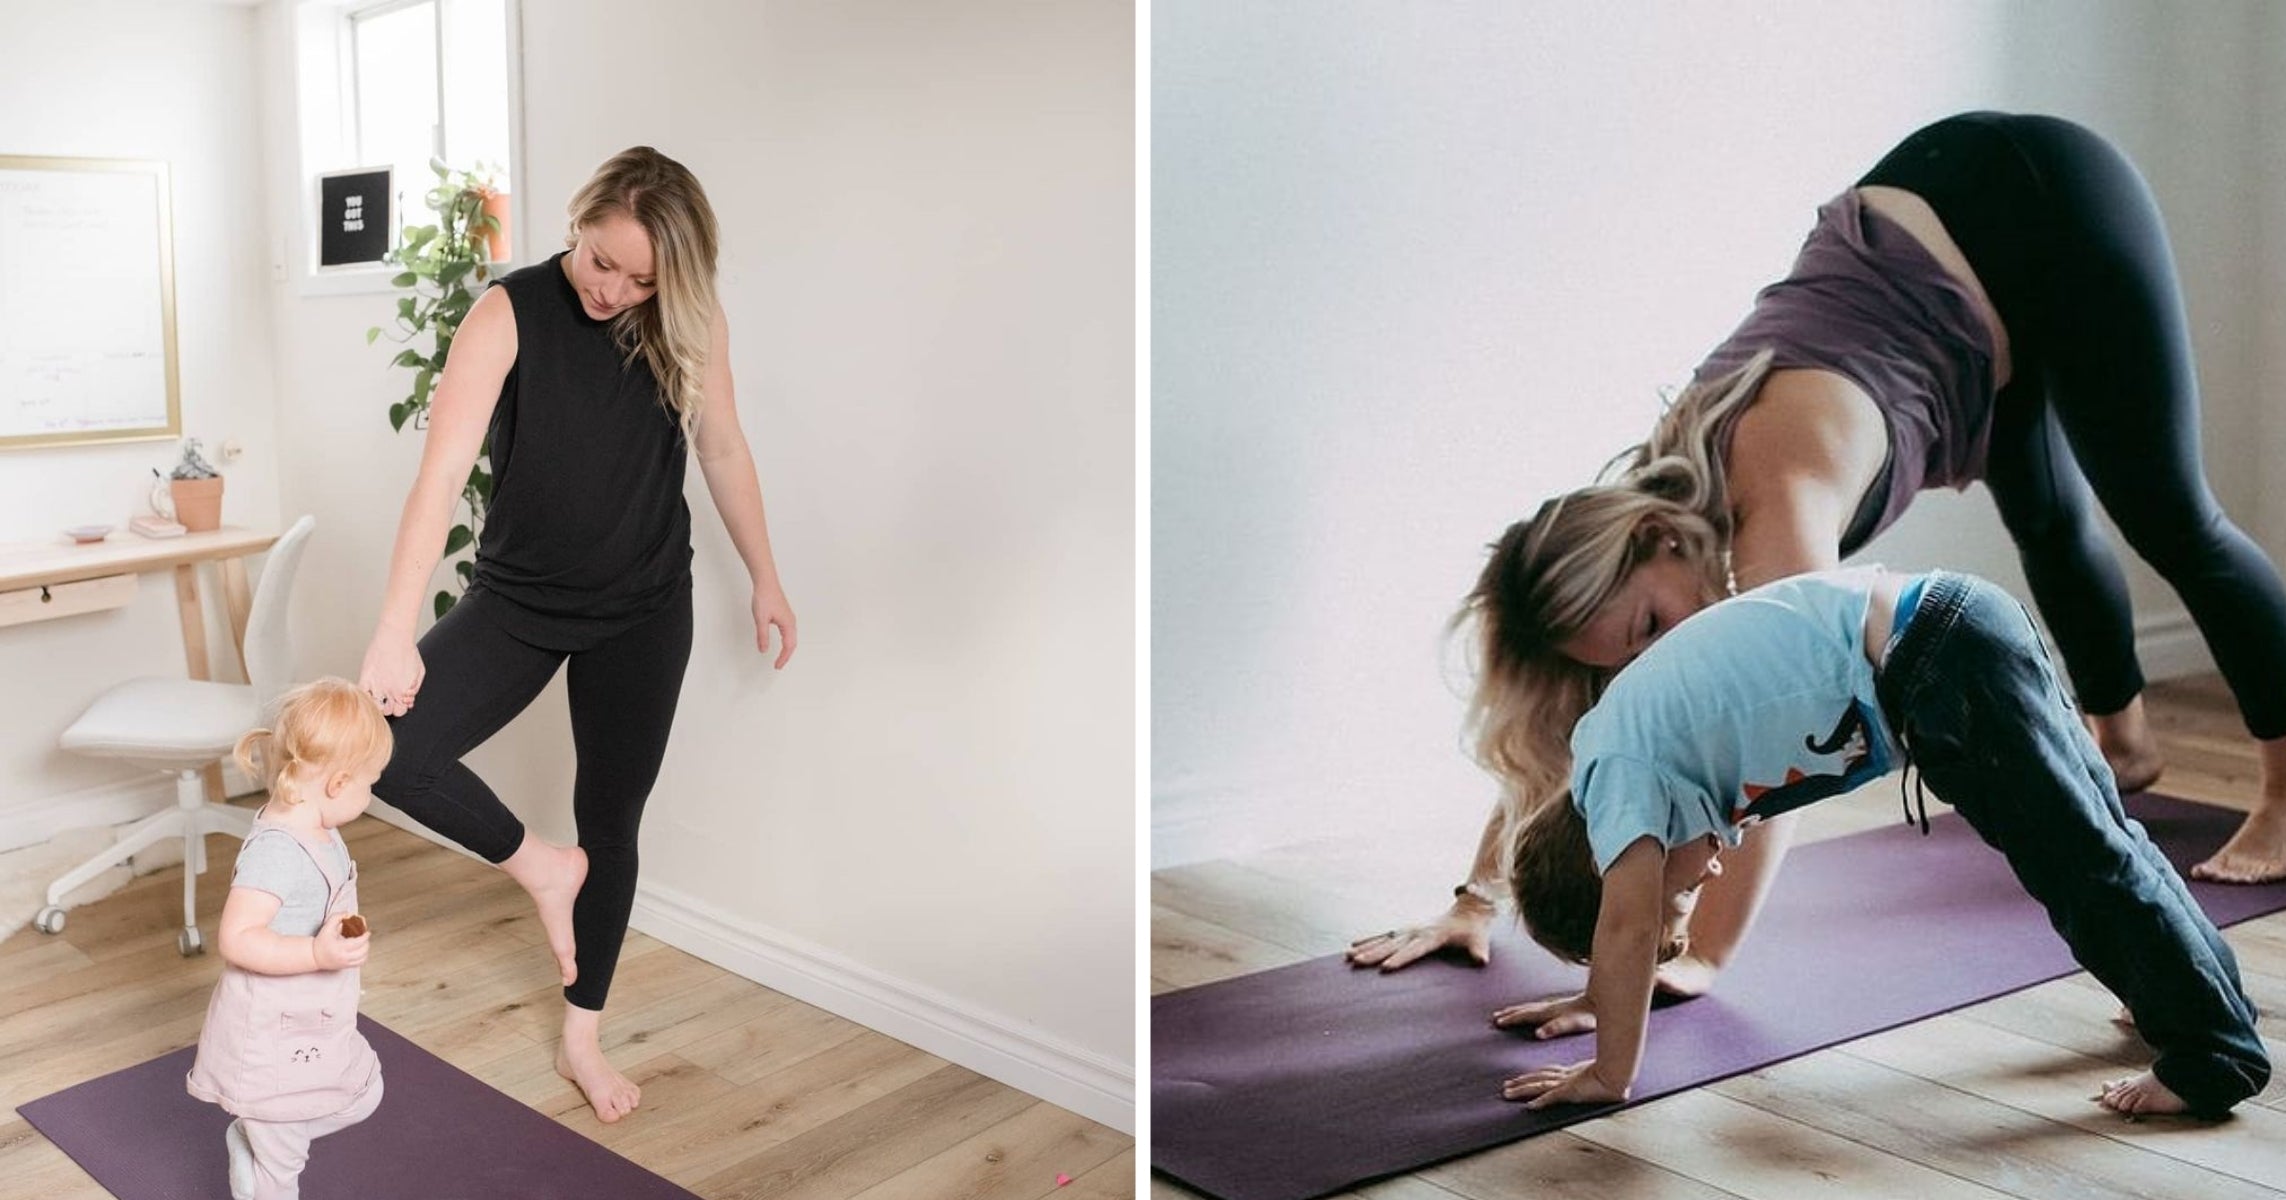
(588,533)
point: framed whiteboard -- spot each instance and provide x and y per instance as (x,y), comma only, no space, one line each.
(87,302)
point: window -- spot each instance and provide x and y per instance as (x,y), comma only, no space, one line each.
(395,83)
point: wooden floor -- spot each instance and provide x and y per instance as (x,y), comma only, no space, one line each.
(1989,1101)
(746,1092)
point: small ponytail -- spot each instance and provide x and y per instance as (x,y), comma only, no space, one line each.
(260,757)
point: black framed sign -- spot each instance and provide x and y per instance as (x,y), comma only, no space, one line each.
(353,216)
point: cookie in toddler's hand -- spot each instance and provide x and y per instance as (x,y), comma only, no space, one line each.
(352,926)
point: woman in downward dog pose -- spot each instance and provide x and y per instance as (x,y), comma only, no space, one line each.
(1995,300)
(596,373)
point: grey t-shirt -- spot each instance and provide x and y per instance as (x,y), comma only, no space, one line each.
(274,861)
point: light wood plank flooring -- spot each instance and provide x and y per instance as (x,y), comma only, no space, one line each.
(746,1092)
(1989,1101)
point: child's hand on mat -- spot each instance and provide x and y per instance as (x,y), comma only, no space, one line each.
(334,952)
(1552,1017)
(1466,925)
(1575,1084)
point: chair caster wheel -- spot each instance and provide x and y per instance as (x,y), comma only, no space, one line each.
(188,942)
(50,920)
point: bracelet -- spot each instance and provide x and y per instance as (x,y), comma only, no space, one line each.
(1478,890)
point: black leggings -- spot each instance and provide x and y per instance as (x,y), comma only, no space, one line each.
(623,694)
(2067,241)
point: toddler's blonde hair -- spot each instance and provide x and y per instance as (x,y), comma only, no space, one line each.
(326,723)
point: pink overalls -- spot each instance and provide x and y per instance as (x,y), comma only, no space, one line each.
(283,1052)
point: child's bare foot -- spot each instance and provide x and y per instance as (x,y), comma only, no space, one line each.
(553,875)
(611,1094)
(2255,854)
(2142,1095)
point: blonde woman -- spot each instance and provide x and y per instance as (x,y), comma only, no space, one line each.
(1994,301)
(595,374)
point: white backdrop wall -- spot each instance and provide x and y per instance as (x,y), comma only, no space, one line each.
(927,821)
(2266,95)
(150,79)
(1417,268)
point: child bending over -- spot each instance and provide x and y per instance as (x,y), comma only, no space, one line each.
(1806,688)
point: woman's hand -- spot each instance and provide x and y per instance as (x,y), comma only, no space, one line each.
(771,608)
(1467,924)
(333,951)
(1555,1016)
(1574,1084)
(393,671)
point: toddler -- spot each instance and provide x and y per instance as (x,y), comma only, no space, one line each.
(280,1049)
(1804,689)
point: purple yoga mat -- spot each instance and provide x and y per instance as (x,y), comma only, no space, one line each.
(440,1134)
(1299,1081)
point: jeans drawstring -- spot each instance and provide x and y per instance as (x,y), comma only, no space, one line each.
(1919,783)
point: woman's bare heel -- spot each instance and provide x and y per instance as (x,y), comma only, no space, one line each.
(553,875)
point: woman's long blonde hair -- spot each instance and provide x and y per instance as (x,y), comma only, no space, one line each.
(1550,574)
(673,331)
(327,724)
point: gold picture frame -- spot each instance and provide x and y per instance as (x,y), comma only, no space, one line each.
(103,370)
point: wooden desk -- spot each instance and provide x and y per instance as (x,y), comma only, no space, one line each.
(29,565)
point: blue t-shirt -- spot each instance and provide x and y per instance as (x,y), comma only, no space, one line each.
(1752,706)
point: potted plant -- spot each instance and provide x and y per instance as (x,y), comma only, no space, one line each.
(441,262)
(196,488)
(492,204)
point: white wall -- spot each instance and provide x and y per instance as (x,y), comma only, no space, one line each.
(2266,95)
(154,79)
(1415,270)
(927,822)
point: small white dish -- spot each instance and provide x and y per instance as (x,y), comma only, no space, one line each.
(88,533)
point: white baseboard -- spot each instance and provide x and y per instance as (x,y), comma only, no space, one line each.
(1060,1074)
(1057,1072)
(31,821)
(1196,818)
(2170,647)
(1234,822)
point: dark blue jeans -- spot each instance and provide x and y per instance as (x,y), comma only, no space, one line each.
(1969,690)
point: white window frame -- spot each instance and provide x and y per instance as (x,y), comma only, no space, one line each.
(325,94)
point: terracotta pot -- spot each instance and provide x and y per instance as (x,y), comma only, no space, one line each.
(496,206)
(198,502)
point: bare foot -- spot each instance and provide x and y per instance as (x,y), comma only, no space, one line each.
(2255,854)
(2141,1096)
(553,875)
(611,1094)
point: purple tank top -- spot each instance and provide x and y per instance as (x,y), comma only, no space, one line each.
(1866,299)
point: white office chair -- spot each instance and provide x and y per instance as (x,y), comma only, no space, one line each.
(180,726)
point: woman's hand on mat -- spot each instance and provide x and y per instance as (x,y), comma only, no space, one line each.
(1574,1084)
(771,608)
(392,672)
(1467,925)
(1555,1016)
(1686,976)
(334,952)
